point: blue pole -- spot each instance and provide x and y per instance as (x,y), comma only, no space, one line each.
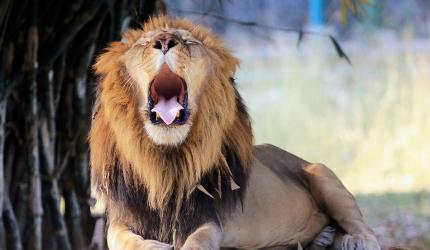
(316,12)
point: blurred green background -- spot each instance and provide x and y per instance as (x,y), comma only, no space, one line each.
(368,121)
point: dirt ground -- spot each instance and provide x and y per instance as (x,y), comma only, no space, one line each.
(399,220)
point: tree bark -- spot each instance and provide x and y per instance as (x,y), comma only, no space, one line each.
(35,185)
(13,234)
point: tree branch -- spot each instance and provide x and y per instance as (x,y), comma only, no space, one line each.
(50,53)
(13,235)
(255,24)
(35,201)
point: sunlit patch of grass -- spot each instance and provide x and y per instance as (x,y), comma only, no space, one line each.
(369,122)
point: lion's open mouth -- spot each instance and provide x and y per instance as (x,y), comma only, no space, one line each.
(168,99)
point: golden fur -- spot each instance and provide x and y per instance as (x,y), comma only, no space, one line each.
(118,132)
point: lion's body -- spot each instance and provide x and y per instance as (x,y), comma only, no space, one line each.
(278,208)
(198,183)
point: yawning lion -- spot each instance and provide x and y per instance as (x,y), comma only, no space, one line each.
(172,155)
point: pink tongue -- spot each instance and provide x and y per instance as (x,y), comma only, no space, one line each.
(167,109)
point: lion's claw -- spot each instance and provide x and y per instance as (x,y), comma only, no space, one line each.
(359,242)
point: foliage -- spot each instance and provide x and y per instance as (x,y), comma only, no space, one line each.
(354,6)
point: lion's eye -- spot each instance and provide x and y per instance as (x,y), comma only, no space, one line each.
(190,42)
(142,42)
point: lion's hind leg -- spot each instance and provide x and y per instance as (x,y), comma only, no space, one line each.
(340,205)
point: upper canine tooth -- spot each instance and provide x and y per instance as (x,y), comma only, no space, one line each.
(157,116)
(178,114)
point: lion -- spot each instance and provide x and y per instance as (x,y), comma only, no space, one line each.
(172,155)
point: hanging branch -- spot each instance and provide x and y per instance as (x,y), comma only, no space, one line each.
(51,52)
(33,142)
(73,216)
(47,131)
(21,201)
(5,12)
(300,32)
(3,102)
(13,234)
(16,13)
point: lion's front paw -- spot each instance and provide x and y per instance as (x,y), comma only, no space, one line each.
(138,243)
(126,240)
(153,244)
(359,242)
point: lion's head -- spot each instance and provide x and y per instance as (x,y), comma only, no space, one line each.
(168,108)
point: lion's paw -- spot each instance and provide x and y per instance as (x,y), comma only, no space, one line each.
(153,244)
(359,242)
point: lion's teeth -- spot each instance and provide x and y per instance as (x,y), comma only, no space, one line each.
(178,114)
(157,116)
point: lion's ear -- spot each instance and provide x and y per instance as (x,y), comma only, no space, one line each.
(109,61)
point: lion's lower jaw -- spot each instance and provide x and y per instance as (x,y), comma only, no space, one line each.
(167,136)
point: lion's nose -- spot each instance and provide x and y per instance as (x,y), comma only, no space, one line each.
(165,44)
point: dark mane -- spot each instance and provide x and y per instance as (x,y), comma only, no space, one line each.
(196,210)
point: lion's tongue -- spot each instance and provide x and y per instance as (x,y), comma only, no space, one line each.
(167,109)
